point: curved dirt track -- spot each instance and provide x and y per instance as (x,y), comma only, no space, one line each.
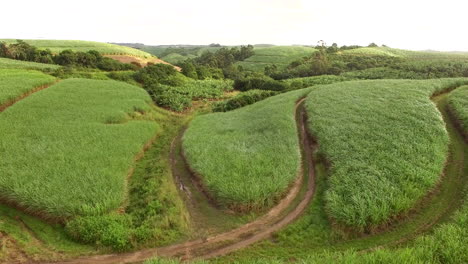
(10,103)
(224,243)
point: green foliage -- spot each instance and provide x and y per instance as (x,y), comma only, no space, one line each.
(224,57)
(322,62)
(458,103)
(57,46)
(76,72)
(16,64)
(379,167)
(299,83)
(166,97)
(206,89)
(14,83)
(79,133)
(280,56)
(123,76)
(242,99)
(446,245)
(158,260)
(109,230)
(234,153)
(90,59)
(25,52)
(157,73)
(178,98)
(259,83)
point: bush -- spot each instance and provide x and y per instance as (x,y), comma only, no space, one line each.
(243,99)
(110,230)
(260,83)
(178,98)
(299,83)
(123,76)
(173,100)
(155,73)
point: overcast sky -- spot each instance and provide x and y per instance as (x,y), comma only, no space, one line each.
(417,24)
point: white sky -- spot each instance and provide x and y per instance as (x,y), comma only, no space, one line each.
(417,24)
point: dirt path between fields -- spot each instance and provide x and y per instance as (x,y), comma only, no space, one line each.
(224,243)
(9,103)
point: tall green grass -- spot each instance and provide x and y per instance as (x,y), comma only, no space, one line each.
(67,150)
(56,46)
(16,64)
(458,103)
(419,55)
(281,56)
(249,156)
(386,143)
(14,83)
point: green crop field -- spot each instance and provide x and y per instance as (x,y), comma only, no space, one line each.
(458,103)
(56,46)
(14,83)
(281,56)
(386,51)
(91,166)
(16,64)
(386,143)
(70,147)
(247,157)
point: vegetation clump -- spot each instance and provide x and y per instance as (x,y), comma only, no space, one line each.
(386,143)
(235,155)
(14,83)
(458,104)
(80,133)
(242,99)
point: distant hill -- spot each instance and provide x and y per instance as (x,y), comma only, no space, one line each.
(57,46)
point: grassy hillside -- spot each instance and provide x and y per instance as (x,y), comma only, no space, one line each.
(175,55)
(57,46)
(16,64)
(70,147)
(14,83)
(386,143)
(386,51)
(247,157)
(458,103)
(281,56)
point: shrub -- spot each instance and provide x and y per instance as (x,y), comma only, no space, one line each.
(260,83)
(242,99)
(111,230)
(154,73)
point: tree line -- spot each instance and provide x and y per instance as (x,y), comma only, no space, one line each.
(90,59)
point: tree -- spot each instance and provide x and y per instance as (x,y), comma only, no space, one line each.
(189,69)
(3,50)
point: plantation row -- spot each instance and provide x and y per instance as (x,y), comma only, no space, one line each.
(248,157)
(386,143)
(88,59)
(14,83)
(70,148)
(458,103)
(57,46)
(363,130)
